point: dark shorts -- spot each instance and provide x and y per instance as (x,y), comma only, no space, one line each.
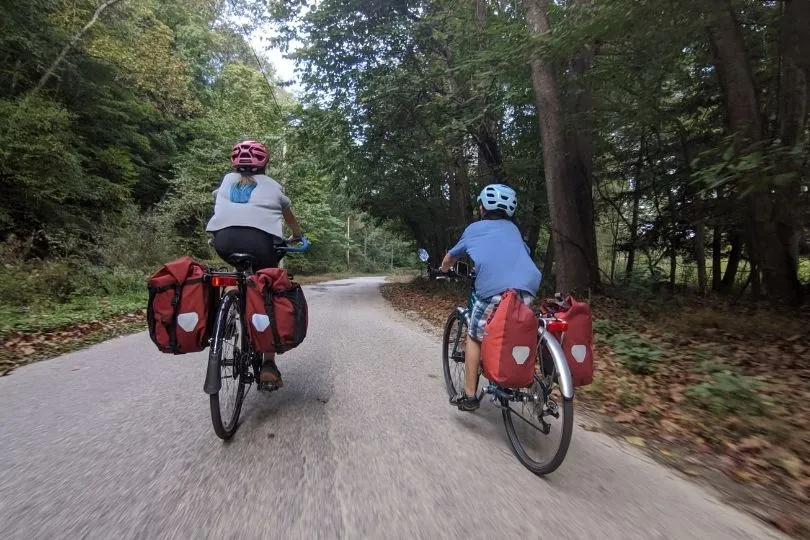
(256,242)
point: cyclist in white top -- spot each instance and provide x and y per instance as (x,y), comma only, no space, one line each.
(249,211)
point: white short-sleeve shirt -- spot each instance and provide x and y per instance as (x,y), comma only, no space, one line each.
(258,206)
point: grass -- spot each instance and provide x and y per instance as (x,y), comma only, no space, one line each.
(46,328)
(43,317)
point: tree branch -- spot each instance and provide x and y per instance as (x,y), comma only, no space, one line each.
(69,45)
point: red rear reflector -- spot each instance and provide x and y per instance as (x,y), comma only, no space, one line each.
(223,281)
(557,326)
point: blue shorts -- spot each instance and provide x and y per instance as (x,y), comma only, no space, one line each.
(482,310)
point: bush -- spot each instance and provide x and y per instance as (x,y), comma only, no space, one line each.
(641,293)
(139,241)
(728,391)
(635,353)
(58,281)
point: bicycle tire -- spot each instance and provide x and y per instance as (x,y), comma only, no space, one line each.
(447,362)
(226,429)
(537,467)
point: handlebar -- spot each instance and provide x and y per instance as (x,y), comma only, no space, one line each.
(451,274)
(301,248)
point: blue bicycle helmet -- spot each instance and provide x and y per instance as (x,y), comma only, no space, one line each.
(498,197)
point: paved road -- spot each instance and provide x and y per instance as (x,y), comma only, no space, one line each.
(116,442)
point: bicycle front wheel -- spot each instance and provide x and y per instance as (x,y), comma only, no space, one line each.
(226,351)
(539,430)
(454,345)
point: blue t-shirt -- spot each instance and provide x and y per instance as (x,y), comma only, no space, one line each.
(501,258)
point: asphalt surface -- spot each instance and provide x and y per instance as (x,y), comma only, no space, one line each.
(116,442)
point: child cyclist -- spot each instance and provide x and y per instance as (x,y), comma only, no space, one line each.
(248,214)
(502,262)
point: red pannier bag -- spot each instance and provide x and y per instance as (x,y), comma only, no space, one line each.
(509,347)
(179,306)
(577,340)
(277,313)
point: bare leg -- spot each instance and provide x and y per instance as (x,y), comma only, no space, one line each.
(472,359)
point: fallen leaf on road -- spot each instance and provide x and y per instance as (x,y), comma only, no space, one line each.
(626,417)
(636,441)
(743,475)
(753,443)
(789,462)
(667,426)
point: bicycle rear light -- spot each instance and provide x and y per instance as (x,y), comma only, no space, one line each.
(223,281)
(556,326)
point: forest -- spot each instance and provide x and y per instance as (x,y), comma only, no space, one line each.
(649,141)
(116,122)
(659,149)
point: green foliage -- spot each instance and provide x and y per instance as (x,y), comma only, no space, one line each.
(44,184)
(636,353)
(409,108)
(728,391)
(138,241)
(605,328)
(629,398)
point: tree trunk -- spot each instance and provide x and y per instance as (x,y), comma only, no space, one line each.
(548,264)
(579,149)
(575,268)
(700,256)
(673,268)
(15,77)
(769,227)
(532,236)
(485,138)
(484,172)
(631,248)
(632,244)
(756,283)
(614,250)
(793,98)
(717,259)
(460,209)
(734,258)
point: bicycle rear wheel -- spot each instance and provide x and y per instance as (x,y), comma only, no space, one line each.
(540,431)
(226,351)
(454,345)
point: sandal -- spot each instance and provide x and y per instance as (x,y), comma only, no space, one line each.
(270,374)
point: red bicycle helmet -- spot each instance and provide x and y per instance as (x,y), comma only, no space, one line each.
(252,154)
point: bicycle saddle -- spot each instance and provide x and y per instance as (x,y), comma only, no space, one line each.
(242,260)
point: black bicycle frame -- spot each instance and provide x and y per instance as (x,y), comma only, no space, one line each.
(213,382)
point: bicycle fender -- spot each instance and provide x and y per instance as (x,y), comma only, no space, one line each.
(560,363)
(213,382)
